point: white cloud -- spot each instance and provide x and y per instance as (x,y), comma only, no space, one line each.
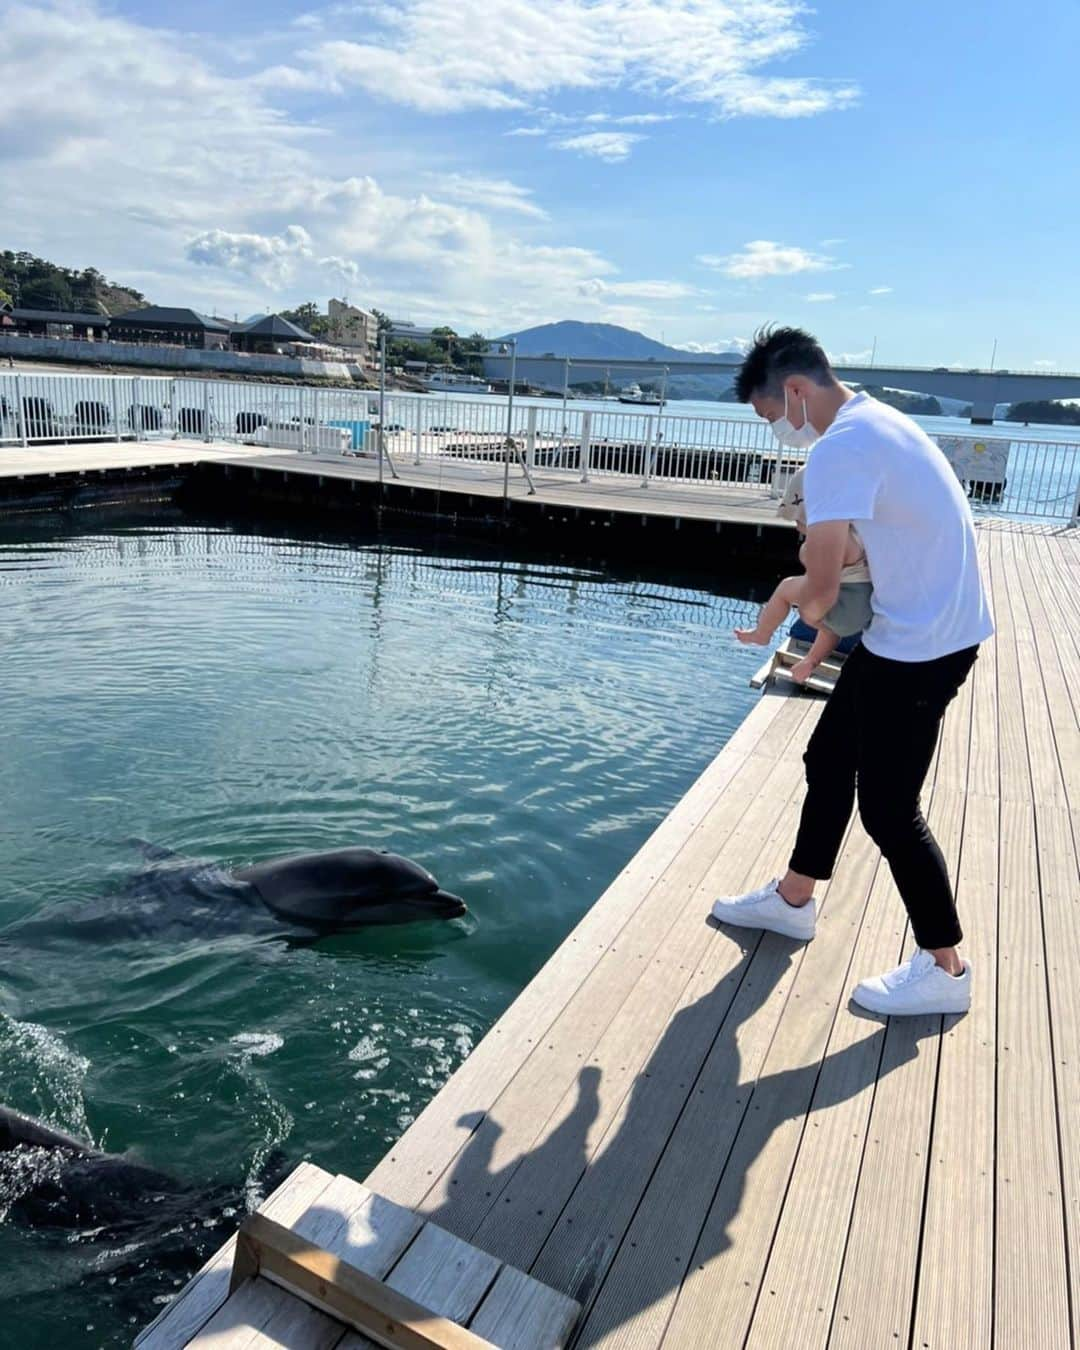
(881,290)
(733,345)
(610,146)
(820,297)
(1044,365)
(851,358)
(630,120)
(269,259)
(526,131)
(507,53)
(764,258)
(635,290)
(497,194)
(832,243)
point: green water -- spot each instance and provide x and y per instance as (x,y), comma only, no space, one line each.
(519,727)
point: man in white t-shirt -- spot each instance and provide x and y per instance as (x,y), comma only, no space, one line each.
(876,469)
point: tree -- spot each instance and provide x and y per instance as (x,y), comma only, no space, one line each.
(46,292)
(308,316)
(384,321)
(5,298)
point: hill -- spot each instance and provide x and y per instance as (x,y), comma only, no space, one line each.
(34,283)
(574,339)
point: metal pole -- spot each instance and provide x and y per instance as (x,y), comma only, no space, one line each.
(20,412)
(993,356)
(873,352)
(206,411)
(382,401)
(583,448)
(509,420)
(565,395)
(116,405)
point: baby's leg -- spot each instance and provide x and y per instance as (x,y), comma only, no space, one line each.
(822,647)
(774,611)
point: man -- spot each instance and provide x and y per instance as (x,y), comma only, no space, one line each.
(874,468)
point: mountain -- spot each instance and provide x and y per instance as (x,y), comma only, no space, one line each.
(570,338)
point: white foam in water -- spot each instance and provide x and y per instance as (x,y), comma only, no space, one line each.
(257,1043)
(43,1075)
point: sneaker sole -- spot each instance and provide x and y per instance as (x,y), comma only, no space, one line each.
(872,1003)
(799,934)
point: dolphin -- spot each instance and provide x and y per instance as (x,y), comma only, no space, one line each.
(305,895)
(349,888)
(51,1179)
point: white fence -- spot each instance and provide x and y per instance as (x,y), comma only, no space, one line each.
(1004,475)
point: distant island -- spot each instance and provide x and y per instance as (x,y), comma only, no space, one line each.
(915,405)
(1045,410)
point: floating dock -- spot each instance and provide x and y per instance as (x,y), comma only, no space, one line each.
(692,1134)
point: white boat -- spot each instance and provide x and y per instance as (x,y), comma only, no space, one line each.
(634,393)
(456,382)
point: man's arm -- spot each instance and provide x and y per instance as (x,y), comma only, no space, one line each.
(823,558)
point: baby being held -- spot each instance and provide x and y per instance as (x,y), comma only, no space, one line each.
(850,614)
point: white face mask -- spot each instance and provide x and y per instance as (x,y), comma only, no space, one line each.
(795,438)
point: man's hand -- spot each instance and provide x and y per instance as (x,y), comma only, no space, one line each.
(823,558)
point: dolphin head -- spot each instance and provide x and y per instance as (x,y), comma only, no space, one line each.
(350,888)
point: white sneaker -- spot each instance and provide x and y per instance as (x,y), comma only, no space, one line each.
(918,986)
(767,908)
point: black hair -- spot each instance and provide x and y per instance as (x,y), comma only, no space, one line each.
(776,354)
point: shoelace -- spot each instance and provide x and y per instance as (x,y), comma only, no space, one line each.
(918,965)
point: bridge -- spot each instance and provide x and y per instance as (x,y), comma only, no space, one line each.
(983,389)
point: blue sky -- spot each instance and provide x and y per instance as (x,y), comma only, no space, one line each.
(685,167)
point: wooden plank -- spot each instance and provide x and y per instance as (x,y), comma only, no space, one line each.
(208,1289)
(332,1285)
(347,1220)
(538,1077)
(521,1314)
(954,1303)
(260,1316)
(838,1133)
(1031,1293)
(652,1063)
(445,1274)
(446,1124)
(818,1154)
(719,1162)
(532,1147)
(1059,882)
(876,1292)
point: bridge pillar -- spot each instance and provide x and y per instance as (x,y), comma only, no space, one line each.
(982,412)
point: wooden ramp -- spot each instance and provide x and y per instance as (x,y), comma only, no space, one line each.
(691,1132)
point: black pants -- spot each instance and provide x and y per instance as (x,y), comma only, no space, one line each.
(878,732)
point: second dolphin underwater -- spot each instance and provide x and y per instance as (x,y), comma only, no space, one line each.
(304,894)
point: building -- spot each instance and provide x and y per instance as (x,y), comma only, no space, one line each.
(270,334)
(170,327)
(352,327)
(59,323)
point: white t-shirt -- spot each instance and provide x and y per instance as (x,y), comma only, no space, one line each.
(879,470)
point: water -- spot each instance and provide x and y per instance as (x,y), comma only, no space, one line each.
(517,726)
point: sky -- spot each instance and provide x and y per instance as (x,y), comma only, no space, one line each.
(898,178)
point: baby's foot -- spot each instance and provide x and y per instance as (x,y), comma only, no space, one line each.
(753,636)
(802,670)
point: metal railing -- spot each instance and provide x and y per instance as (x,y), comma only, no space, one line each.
(1003,474)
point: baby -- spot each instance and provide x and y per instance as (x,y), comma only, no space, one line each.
(851,613)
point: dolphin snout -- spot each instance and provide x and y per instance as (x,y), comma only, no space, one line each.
(449,906)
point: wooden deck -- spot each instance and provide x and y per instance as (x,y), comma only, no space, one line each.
(693,1133)
(464,477)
